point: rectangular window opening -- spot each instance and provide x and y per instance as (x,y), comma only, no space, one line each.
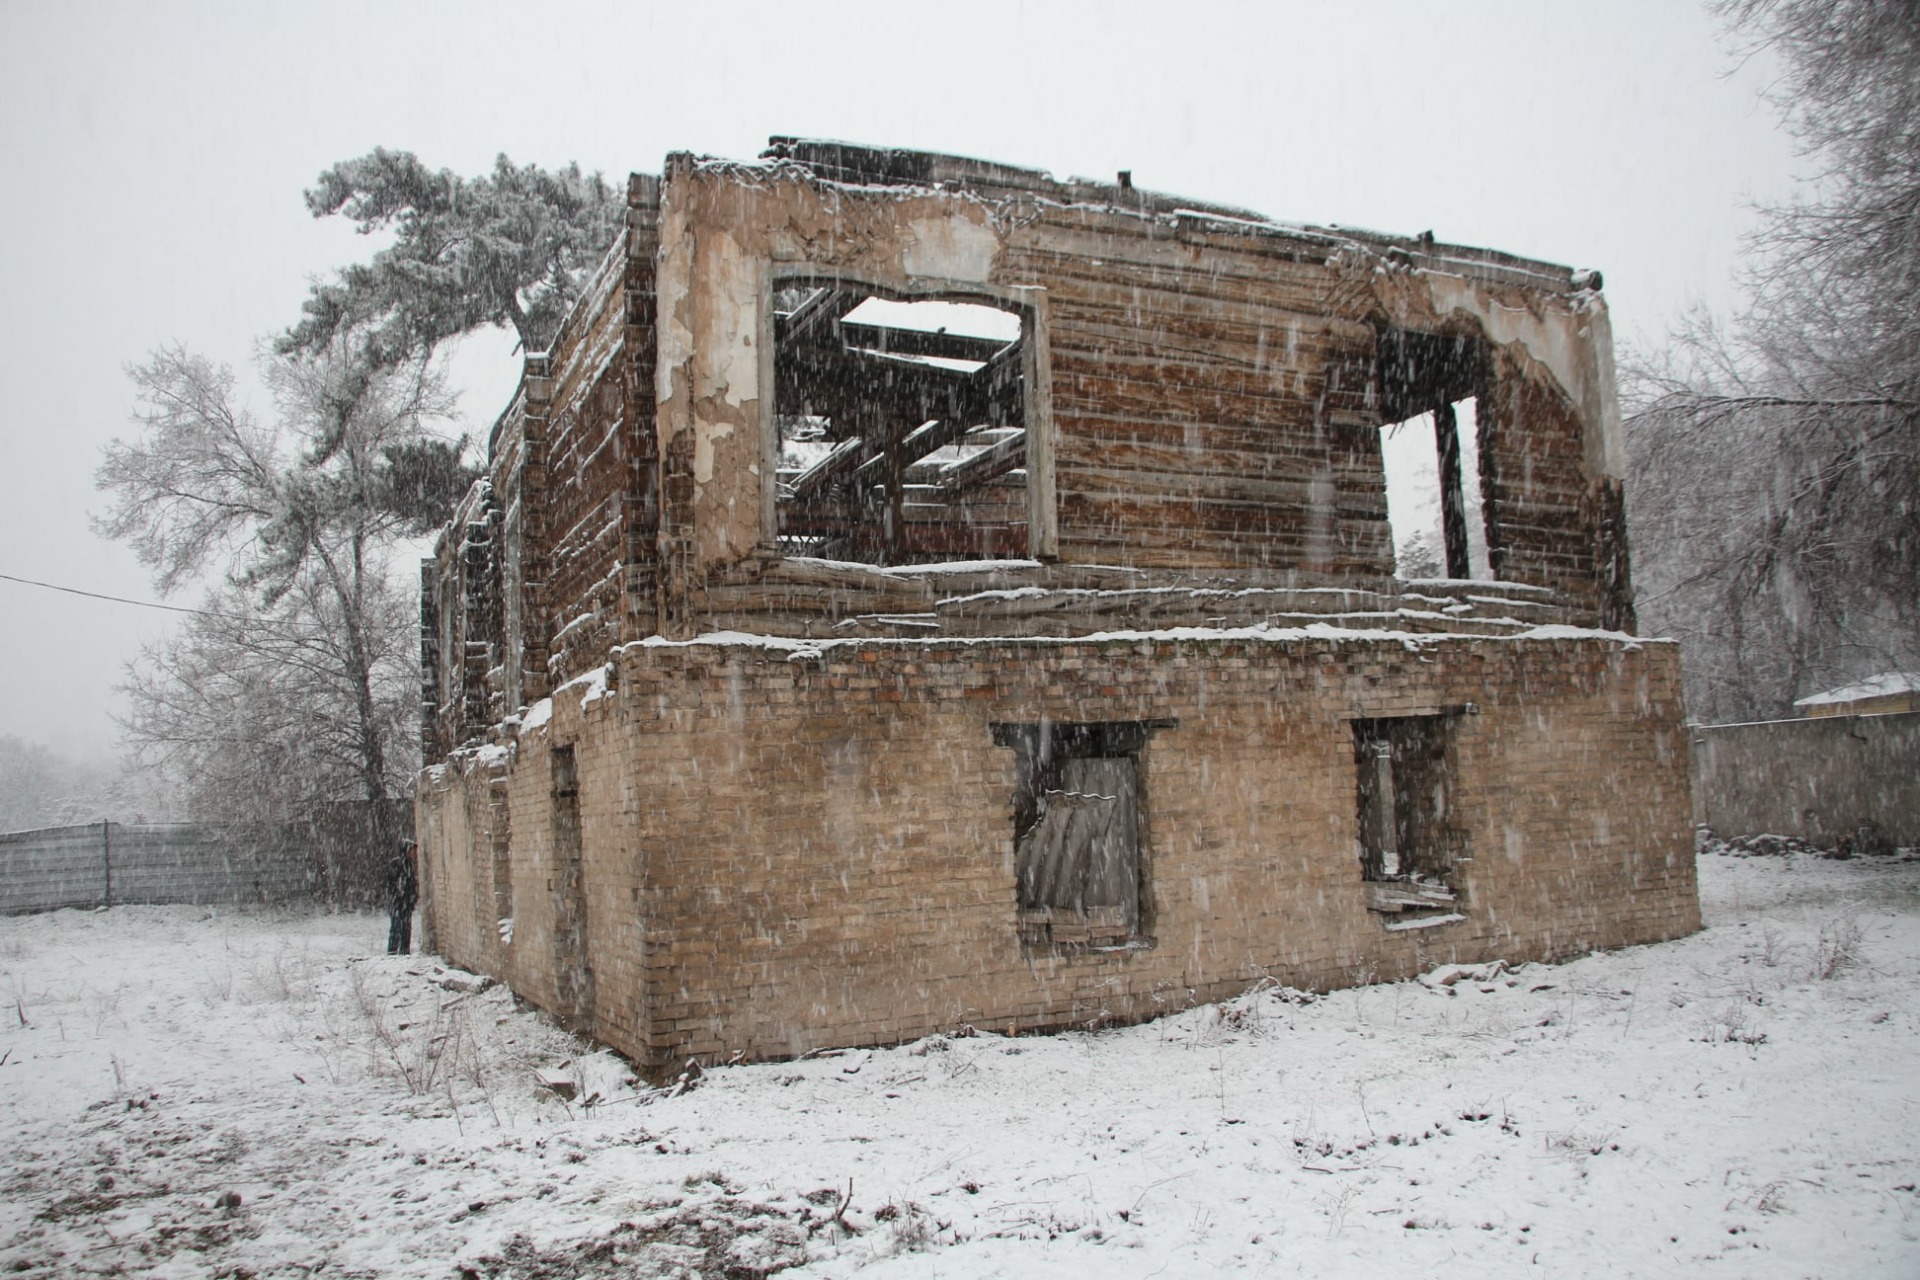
(1077,832)
(1408,845)
(902,425)
(1428,386)
(1435,501)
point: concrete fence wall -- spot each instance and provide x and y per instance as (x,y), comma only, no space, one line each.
(1818,779)
(112,863)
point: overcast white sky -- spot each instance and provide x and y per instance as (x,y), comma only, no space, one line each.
(154,155)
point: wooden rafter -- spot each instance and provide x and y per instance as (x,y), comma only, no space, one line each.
(890,400)
(921,342)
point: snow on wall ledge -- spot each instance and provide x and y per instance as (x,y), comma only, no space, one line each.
(791,845)
(1262,632)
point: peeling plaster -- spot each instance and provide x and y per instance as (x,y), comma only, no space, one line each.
(955,247)
(725,368)
(706,432)
(1576,346)
(725,364)
(674,289)
(720,237)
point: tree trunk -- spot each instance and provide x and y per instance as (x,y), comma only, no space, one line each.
(350,592)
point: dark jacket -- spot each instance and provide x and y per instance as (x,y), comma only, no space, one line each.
(403,883)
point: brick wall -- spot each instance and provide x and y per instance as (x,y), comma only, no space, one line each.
(1215,391)
(785,850)
(1209,392)
(1213,397)
(589,445)
(1543,526)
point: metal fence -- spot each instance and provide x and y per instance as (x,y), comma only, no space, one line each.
(106,864)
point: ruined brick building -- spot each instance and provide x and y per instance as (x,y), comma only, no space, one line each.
(807,671)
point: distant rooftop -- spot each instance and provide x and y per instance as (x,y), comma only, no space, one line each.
(1885,685)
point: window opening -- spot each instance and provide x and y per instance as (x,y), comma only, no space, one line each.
(902,426)
(1427,385)
(1434,496)
(1077,831)
(1407,845)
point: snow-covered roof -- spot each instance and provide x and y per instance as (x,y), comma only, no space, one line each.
(1884,685)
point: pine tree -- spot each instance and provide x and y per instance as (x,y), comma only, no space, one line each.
(508,249)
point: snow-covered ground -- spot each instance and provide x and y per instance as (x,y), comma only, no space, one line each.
(185,1093)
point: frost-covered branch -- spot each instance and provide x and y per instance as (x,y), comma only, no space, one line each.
(509,249)
(1775,486)
(296,687)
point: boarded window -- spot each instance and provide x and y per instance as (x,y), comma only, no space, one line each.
(1078,831)
(1408,844)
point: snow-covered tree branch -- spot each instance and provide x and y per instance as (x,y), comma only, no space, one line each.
(293,687)
(1776,462)
(510,249)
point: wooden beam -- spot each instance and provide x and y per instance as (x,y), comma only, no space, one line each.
(986,465)
(918,443)
(1453,503)
(846,456)
(832,381)
(817,316)
(921,342)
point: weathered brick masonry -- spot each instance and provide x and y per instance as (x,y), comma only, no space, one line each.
(793,849)
(813,772)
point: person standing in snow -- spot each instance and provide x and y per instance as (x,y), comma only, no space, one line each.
(403,894)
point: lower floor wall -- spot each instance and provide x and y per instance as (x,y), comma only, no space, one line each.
(712,849)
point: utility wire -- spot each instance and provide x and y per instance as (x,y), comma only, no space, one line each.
(144,604)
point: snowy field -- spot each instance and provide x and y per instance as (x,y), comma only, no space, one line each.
(242,1095)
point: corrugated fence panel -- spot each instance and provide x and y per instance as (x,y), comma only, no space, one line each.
(1816,779)
(195,864)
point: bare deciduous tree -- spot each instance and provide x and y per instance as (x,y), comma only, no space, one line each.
(1776,465)
(292,687)
(296,686)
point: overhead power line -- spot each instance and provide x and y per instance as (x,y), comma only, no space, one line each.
(100,595)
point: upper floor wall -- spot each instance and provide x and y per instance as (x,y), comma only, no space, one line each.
(1182,391)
